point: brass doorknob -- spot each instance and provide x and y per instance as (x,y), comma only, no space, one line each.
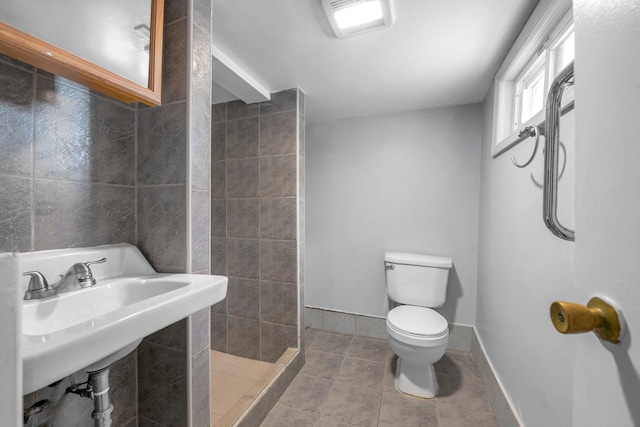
(597,316)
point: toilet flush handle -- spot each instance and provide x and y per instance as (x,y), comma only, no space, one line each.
(388,266)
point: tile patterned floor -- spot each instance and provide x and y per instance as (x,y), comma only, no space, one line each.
(348,381)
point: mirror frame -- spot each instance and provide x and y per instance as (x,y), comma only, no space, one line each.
(44,55)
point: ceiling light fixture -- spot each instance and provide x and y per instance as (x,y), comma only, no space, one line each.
(351,17)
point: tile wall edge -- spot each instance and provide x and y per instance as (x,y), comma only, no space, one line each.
(460,336)
(268,398)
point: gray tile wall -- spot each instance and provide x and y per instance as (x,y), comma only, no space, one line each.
(67,179)
(301,218)
(162,223)
(375,327)
(72,174)
(200,179)
(256,161)
(174,215)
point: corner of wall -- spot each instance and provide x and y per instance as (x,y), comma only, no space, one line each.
(10,320)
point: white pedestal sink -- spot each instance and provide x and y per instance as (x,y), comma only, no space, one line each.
(91,328)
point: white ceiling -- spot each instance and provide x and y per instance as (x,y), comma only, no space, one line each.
(437,53)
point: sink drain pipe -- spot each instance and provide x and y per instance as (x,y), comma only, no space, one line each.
(102,407)
(96,388)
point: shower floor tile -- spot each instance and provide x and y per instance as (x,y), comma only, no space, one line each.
(235,383)
(327,392)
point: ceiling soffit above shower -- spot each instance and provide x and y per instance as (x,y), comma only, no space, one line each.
(436,53)
(230,81)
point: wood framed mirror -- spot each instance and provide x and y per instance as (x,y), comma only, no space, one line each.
(67,42)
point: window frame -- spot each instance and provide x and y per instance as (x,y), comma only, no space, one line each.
(540,37)
(559,37)
(522,82)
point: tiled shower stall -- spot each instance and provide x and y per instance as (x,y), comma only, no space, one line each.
(257,232)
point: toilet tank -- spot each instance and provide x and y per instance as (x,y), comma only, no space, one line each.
(417,279)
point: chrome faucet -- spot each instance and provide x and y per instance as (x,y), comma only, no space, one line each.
(38,286)
(78,276)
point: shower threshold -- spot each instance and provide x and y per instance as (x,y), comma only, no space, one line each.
(237,382)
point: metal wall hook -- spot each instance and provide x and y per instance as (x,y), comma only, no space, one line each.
(531,131)
(564,164)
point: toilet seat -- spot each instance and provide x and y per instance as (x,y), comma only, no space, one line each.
(419,323)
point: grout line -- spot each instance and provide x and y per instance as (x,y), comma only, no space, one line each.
(294,109)
(33,162)
(365,360)
(259,156)
(183,184)
(273,323)
(12,175)
(164,104)
(135,176)
(263,239)
(78,87)
(298,233)
(136,386)
(18,67)
(259,230)
(226,224)
(263,198)
(80,182)
(380,400)
(182,18)
(333,383)
(165,347)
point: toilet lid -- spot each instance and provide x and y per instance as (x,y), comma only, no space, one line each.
(420,321)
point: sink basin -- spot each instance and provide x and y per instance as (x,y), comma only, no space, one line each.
(93,327)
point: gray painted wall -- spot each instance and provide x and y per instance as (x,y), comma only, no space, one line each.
(607,381)
(404,182)
(552,379)
(522,269)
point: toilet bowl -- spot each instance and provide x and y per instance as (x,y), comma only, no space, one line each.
(419,337)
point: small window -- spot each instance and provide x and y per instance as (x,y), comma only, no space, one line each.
(543,49)
(565,51)
(562,53)
(530,93)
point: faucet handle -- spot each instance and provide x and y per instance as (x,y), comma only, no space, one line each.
(37,282)
(38,286)
(100,261)
(84,273)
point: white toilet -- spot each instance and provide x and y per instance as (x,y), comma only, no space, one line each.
(418,335)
